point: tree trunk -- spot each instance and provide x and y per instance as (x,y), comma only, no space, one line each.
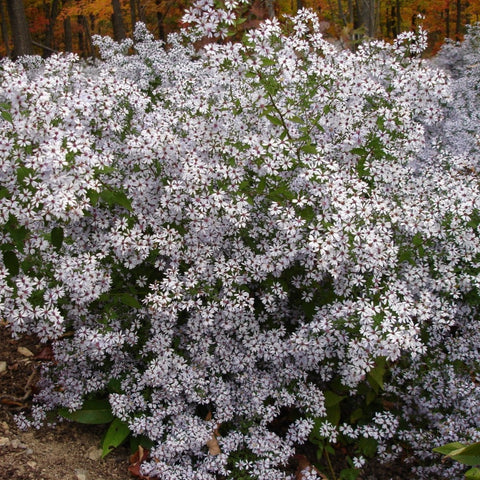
(398,17)
(22,42)
(269,5)
(458,22)
(351,13)
(67,30)
(4,27)
(368,16)
(341,14)
(447,20)
(117,21)
(161,26)
(141,12)
(85,38)
(133,13)
(52,16)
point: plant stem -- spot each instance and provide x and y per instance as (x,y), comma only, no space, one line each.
(330,466)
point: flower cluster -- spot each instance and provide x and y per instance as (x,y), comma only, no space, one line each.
(214,237)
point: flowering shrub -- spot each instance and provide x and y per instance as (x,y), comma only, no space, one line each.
(213,238)
(459,133)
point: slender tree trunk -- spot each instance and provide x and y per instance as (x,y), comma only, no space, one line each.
(398,17)
(161,26)
(117,21)
(351,13)
(368,16)
(341,13)
(141,12)
(447,20)
(67,30)
(269,5)
(52,16)
(4,27)
(22,42)
(458,22)
(84,37)
(133,13)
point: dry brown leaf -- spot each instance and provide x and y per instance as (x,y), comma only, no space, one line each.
(136,461)
(212,444)
(45,354)
(25,352)
(304,463)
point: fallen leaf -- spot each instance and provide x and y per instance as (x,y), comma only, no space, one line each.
(25,352)
(212,444)
(136,461)
(303,463)
(45,354)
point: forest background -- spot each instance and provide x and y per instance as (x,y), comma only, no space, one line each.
(46,26)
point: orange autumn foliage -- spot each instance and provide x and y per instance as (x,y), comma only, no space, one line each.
(57,25)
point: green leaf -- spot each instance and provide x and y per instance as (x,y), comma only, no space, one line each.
(18,235)
(468,455)
(331,398)
(24,172)
(376,374)
(361,168)
(117,433)
(116,198)
(368,446)
(356,415)
(329,449)
(93,412)
(6,115)
(10,260)
(417,240)
(56,236)
(142,440)
(275,120)
(359,151)
(309,149)
(93,195)
(448,448)
(307,213)
(268,62)
(349,474)
(405,255)
(332,405)
(334,414)
(129,300)
(370,397)
(296,119)
(473,474)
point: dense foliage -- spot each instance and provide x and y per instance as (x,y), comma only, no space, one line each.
(218,239)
